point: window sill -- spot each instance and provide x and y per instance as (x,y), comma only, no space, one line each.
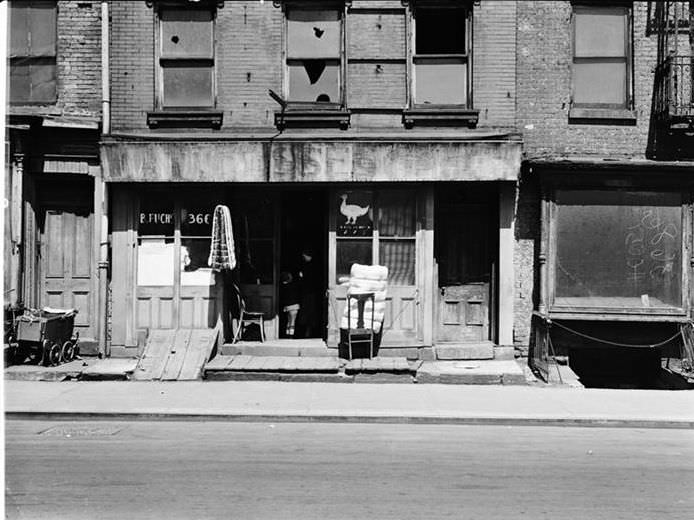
(597,115)
(185,119)
(440,116)
(313,117)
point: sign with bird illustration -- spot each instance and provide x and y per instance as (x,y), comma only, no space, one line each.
(356,214)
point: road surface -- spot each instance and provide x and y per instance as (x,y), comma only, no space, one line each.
(197,470)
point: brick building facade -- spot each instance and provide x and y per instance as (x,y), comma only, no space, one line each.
(448,140)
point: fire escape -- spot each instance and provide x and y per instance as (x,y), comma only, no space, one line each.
(672,123)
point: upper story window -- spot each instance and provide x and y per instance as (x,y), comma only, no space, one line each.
(314,55)
(602,56)
(186,58)
(440,54)
(33,52)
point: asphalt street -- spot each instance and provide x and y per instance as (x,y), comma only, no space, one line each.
(199,470)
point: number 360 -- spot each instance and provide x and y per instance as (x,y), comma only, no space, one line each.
(198,218)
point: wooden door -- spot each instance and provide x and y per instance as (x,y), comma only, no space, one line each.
(67,264)
(465,269)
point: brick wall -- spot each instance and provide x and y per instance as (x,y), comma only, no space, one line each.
(249,54)
(544,87)
(494,56)
(132,64)
(79,58)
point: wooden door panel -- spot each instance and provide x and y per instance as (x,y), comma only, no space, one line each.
(261,298)
(464,313)
(67,272)
(155,308)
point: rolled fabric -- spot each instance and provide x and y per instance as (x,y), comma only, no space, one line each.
(364,285)
(369,272)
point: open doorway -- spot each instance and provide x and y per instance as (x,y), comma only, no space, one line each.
(303,264)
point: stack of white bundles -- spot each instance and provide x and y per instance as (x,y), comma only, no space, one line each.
(367,279)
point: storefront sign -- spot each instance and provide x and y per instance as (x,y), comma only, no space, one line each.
(354,217)
(156,218)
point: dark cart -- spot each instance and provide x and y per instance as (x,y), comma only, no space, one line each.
(45,336)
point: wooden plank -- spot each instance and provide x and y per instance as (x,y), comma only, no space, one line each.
(155,354)
(219,363)
(177,355)
(202,342)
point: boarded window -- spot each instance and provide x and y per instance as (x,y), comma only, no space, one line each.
(33,52)
(440,60)
(601,56)
(187,58)
(618,249)
(313,55)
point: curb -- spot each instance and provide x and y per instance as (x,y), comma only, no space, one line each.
(586,422)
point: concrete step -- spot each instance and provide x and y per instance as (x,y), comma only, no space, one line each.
(287,348)
(474,372)
(465,351)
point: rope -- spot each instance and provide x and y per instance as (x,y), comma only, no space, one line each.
(394,320)
(614,343)
(554,356)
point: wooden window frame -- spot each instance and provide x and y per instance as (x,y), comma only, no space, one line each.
(32,58)
(594,110)
(421,114)
(183,116)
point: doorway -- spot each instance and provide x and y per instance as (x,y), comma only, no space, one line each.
(303,263)
(66,257)
(465,254)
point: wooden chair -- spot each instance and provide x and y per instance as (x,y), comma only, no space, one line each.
(247,317)
(361,334)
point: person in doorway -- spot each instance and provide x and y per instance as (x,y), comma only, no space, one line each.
(289,300)
(310,294)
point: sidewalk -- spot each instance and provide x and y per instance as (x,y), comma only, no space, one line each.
(394,403)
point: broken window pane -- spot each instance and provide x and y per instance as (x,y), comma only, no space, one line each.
(440,31)
(186,34)
(440,81)
(314,81)
(187,85)
(601,82)
(600,34)
(313,34)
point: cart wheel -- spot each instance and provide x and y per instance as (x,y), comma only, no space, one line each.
(53,357)
(67,354)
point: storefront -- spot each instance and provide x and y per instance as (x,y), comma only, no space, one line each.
(439,236)
(615,256)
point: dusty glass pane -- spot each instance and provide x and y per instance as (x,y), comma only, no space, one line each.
(600,83)
(156,215)
(187,85)
(355,213)
(399,256)
(314,81)
(313,34)
(20,83)
(186,33)
(600,34)
(618,249)
(255,259)
(43,82)
(155,262)
(350,252)
(396,214)
(19,30)
(440,31)
(42,28)
(440,82)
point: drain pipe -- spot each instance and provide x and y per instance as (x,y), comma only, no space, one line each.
(101,188)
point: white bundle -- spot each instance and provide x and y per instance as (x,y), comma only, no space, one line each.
(366,279)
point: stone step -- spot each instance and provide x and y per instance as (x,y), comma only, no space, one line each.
(473,372)
(465,351)
(286,348)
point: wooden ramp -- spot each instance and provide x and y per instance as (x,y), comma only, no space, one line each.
(175,355)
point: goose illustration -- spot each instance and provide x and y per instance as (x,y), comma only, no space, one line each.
(352,211)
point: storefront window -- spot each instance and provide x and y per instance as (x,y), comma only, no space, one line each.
(196,232)
(155,253)
(388,240)
(618,249)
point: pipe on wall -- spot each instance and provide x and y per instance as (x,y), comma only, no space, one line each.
(105,71)
(101,188)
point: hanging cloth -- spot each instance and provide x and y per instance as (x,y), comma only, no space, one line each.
(222,256)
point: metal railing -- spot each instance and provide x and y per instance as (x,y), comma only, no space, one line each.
(675,88)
